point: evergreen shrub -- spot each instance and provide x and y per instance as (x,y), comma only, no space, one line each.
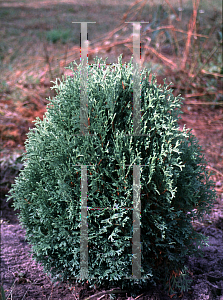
(175,185)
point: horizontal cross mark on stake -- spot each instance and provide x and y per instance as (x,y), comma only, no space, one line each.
(125,165)
(108,208)
(124,134)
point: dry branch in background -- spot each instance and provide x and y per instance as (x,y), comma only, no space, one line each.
(191,28)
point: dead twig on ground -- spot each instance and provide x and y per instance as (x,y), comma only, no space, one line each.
(212,74)
(213,169)
(165,60)
(206,61)
(112,291)
(48,59)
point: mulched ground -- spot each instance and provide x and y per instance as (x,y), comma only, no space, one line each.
(22,278)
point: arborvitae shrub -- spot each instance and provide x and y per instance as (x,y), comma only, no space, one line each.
(175,185)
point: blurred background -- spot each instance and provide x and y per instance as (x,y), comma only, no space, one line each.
(182,42)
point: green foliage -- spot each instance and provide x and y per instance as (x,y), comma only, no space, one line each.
(4,87)
(2,295)
(58,35)
(175,185)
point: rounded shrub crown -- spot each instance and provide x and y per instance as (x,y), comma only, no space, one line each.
(174,183)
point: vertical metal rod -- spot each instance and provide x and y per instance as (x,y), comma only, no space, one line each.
(136,80)
(84,131)
(84,225)
(136,247)
(84,77)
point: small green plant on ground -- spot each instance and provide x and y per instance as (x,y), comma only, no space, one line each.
(58,35)
(2,293)
(175,186)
